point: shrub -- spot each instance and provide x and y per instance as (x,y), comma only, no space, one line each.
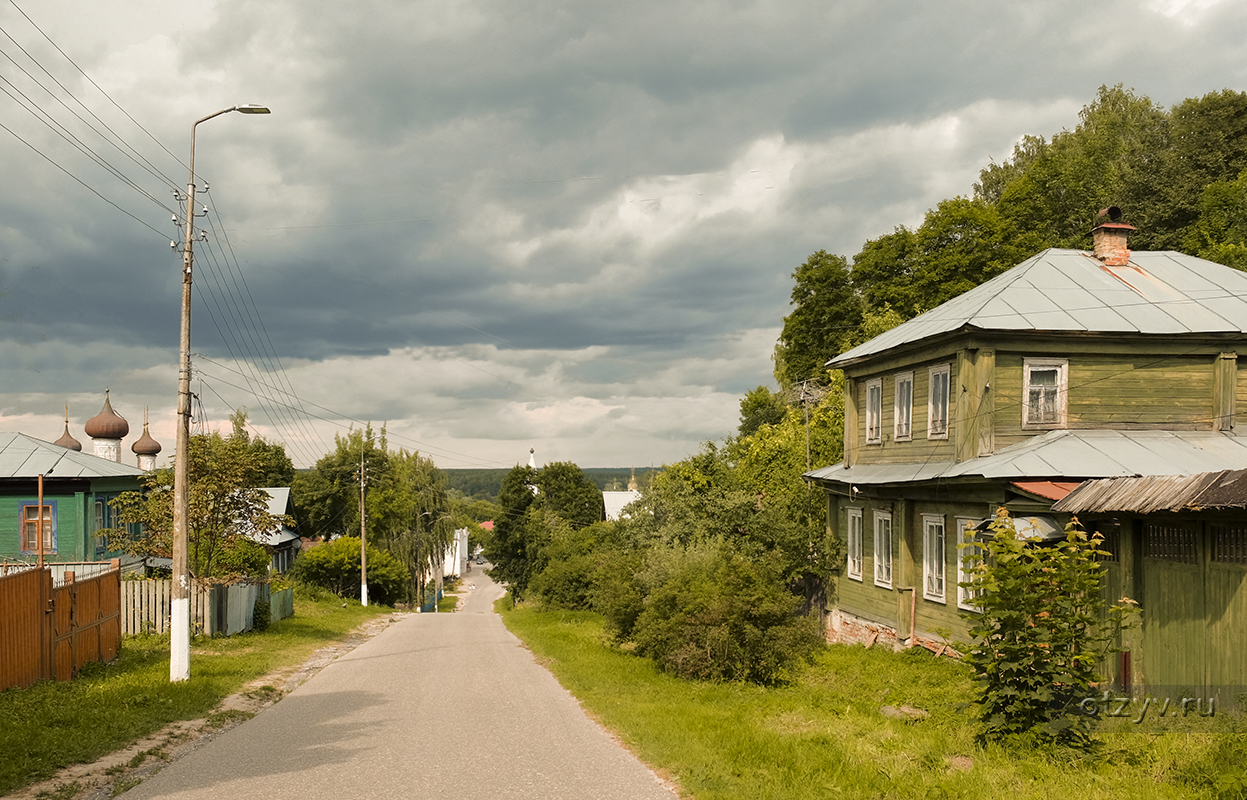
(335,566)
(1040,634)
(722,615)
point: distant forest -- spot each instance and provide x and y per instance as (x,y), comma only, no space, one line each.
(483,484)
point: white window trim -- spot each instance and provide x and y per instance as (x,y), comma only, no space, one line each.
(854,566)
(899,380)
(934,558)
(1062,397)
(882,579)
(874,414)
(945,370)
(964,599)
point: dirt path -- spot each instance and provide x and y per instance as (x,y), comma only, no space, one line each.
(125,768)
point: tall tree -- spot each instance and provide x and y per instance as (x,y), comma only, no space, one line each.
(826,311)
(228,512)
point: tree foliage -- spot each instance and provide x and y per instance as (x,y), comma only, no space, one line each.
(407,509)
(228,512)
(336,566)
(826,312)
(1040,632)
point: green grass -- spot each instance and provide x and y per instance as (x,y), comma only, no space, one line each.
(823,735)
(447,604)
(110,706)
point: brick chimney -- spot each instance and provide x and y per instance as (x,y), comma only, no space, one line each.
(1109,238)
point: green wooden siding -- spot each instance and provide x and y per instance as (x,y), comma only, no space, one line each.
(891,606)
(70,538)
(919,448)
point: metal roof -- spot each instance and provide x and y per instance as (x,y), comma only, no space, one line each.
(1145,495)
(23,456)
(1068,454)
(1070,291)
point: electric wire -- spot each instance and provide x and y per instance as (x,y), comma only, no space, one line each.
(259,318)
(139,161)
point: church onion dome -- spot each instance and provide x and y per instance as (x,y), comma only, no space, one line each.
(146,445)
(107,424)
(67,441)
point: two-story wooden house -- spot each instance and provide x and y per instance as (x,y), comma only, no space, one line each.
(1071,366)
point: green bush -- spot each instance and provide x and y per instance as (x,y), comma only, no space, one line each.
(262,614)
(335,566)
(1039,635)
(722,615)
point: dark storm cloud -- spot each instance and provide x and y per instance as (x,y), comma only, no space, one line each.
(489,220)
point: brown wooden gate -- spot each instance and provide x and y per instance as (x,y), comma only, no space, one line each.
(48,632)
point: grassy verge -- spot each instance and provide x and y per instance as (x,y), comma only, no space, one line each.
(447,604)
(824,734)
(109,706)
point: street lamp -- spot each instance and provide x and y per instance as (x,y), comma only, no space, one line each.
(180,609)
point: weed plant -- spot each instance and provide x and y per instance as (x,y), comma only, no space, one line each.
(110,706)
(822,734)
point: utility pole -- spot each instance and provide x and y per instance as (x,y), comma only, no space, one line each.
(363,531)
(180,605)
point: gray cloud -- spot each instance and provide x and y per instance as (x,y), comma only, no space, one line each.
(570,225)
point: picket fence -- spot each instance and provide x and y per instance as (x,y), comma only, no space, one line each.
(215,608)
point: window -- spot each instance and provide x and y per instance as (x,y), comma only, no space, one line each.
(903,409)
(965,534)
(855,544)
(933,557)
(1044,390)
(30,527)
(874,410)
(883,549)
(937,403)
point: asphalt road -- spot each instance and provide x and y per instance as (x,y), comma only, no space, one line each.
(436,706)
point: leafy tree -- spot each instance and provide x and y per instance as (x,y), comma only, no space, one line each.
(336,566)
(227,511)
(564,489)
(1220,234)
(406,503)
(826,311)
(884,273)
(1110,155)
(273,466)
(508,549)
(760,407)
(1039,633)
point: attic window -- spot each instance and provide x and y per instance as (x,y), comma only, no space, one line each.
(1044,392)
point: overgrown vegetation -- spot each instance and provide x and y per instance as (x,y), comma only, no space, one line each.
(408,515)
(335,566)
(110,706)
(823,734)
(1040,634)
(228,511)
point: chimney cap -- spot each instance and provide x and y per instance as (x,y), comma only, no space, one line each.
(1110,219)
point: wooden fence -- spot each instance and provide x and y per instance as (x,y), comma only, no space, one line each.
(49,631)
(215,608)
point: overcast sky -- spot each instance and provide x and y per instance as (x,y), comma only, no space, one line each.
(495,225)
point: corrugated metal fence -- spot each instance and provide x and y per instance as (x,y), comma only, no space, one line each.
(49,631)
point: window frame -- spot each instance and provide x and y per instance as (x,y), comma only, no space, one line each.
(49,533)
(934,568)
(883,567)
(946,371)
(965,525)
(854,535)
(874,411)
(1062,392)
(898,380)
